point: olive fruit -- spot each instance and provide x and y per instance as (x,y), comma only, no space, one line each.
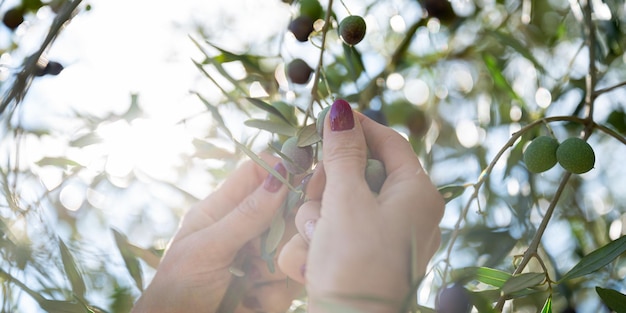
(352,29)
(301,27)
(540,155)
(51,68)
(319,123)
(576,155)
(297,159)
(311,8)
(13,18)
(454,299)
(440,9)
(299,71)
(375,174)
(376,115)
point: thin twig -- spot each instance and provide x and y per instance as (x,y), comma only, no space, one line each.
(534,244)
(318,69)
(485,173)
(24,78)
(590,83)
(608,89)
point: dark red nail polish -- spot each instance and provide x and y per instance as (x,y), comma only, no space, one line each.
(272,184)
(341,117)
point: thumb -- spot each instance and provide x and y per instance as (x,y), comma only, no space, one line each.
(344,149)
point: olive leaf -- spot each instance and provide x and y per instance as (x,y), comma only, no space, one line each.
(451,191)
(308,135)
(521,282)
(75,277)
(615,300)
(597,259)
(547,307)
(277,127)
(485,275)
(268,108)
(130,259)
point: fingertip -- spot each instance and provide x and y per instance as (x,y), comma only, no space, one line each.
(344,148)
(292,258)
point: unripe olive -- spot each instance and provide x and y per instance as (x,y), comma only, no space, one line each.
(319,123)
(311,8)
(301,27)
(540,155)
(375,174)
(576,155)
(299,71)
(352,29)
(298,159)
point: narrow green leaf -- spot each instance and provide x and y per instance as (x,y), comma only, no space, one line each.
(262,163)
(485,275)
(597,259)
(547,307)
(86,140)
(57,161)
(276,232)
(452,191)
(522,281)
(615,300)
(518,46)
(217,116)
(498,78)
(130,259)
(308,135)
(267,108)
(74,276)
(277,127)
(55,306)
(207,150)
(353,58)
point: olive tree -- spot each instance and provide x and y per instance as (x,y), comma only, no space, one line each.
(513,107)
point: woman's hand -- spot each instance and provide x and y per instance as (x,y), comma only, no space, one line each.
(221,235)
(357,249)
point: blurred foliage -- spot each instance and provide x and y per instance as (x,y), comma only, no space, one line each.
(469,83)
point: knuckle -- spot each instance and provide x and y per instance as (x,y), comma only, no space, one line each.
(250,207)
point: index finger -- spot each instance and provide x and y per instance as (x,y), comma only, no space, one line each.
(242,182)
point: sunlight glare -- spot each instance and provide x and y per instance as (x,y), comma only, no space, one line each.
(152,146)
(467,133)
(397,24)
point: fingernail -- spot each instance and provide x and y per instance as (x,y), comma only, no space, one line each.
(341,117)
(272,183)
(309,227)
(251,302)
(303,270)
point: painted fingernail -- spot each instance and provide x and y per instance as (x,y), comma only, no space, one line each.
(309,227)
(251,302)
(272,183)
(340,115)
